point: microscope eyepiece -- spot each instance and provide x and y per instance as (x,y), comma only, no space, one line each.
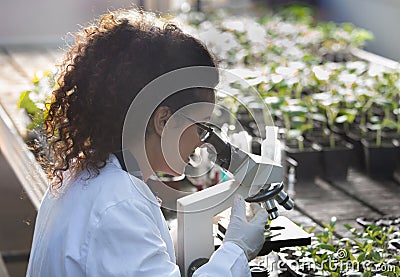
(222,150)
(232,159)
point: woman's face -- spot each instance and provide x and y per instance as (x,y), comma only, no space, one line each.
(181,136)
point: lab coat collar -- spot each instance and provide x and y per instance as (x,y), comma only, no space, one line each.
(125,160)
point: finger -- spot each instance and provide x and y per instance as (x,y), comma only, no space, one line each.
(261,217)
(239,206)
(255,207)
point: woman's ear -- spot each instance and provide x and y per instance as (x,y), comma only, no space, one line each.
(160,118)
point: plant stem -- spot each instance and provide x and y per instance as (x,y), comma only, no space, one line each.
(232,119)
(300,141)
(287,121)
(369,113)
(310,121)
(387,110)
(378,137)
(298,90)
(346,127)
(332,140)
(363,123)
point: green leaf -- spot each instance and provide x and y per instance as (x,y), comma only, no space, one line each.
(375,127)
(367,274)
(327,247)
(351,256)
(351,114)
(368,247)
(36,121)
(361,257)
(341,119)
(389,123)
(295,110)
(273,101)
(293,134)
(26,103)
(382,240)
(376,256)
(348,227)
(318,117)
(361,36)
(311,229)
(305,127)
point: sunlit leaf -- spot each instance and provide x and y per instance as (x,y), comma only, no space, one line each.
(26,103)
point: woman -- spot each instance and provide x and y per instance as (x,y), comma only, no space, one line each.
(96,218)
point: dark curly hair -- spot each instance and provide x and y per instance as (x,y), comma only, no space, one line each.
(109,64)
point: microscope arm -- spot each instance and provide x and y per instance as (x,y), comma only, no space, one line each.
(195,217)
(196,211)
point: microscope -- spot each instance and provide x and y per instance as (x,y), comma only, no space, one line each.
(259,179)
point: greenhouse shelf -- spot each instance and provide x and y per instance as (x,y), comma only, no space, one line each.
(21,160)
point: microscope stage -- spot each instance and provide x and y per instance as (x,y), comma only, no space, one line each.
(283,233)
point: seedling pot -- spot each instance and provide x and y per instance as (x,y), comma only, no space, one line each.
(354,137)
(380,160)
(308,160)
(336,161)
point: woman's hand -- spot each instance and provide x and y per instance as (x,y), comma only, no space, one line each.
(248,234)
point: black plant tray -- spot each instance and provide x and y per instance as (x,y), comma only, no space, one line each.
(385,221)
(285,233)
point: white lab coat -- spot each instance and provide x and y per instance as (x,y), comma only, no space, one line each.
(112,225)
